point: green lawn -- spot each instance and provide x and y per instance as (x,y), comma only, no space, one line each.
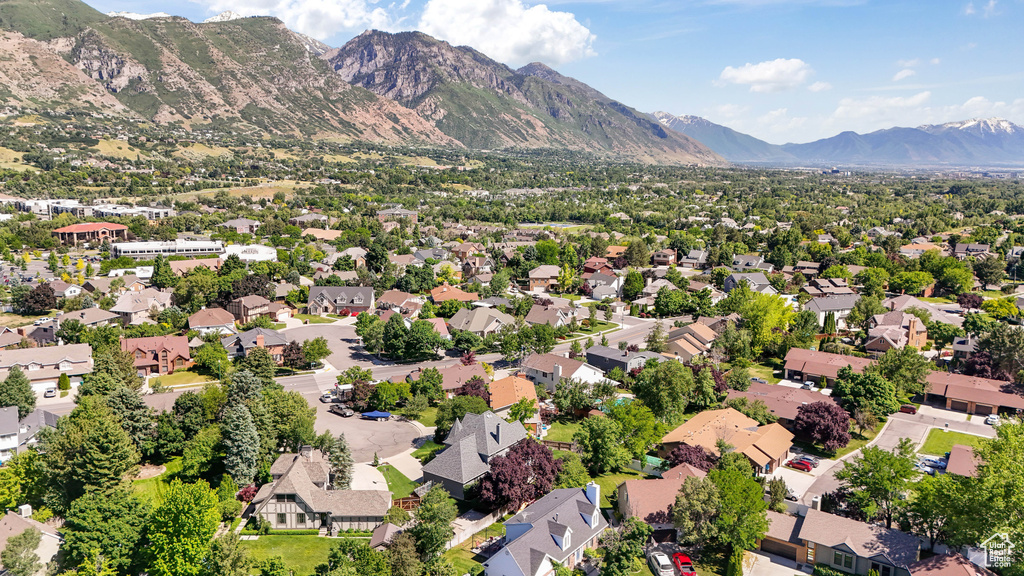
(599,326)
(313,319)
(399,484)
(857,441)
(762,371)
(940,441)
(573,297)
(155,488)
(610,482)
(562,431)
(936,300)
(427,450)
(301,553)
(428,417)
(184,378)
(462,556)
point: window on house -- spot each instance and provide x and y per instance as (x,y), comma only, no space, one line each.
(285,497)
(810,552)
(842,559)
(282,519)
(300,518)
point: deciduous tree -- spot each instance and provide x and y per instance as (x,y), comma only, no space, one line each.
(880,478)
(600,446)
(523,475)
(825,423)
(180,530)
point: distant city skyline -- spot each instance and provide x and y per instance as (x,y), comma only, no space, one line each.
(780,70)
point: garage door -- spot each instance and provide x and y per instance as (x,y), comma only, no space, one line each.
(779,548)
(958,405)
(982,410)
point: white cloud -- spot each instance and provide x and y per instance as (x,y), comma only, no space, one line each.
(729,111)
(509,30)
(990,9)
(978,107)
(819,87)
(969,9)
(318,18)
(905,73)
(987,11)
(877,109)
(779,121)
(908,63)
(769,76)
(935,61)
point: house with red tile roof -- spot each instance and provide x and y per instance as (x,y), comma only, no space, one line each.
(91,232)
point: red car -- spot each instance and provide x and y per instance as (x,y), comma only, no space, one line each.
(683,564)
(799,465)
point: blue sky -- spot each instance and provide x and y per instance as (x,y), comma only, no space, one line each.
(781,70)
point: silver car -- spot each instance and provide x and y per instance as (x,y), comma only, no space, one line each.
(660,566)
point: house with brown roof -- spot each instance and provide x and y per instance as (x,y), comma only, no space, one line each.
(454,377)
(481,320)
(895,330)
(43,366)
(767,447)
(544,277)
(948,565)
(613,252)
(446,292)
(690,341)
(91,232)
(549,369)
(972,394)
(241,225)
(822,367)
(510,390)
(182,267)
(135,307)
(782,401)
(962,461)
(13,524)
(212,320)
(553,316)
(298,498)
(248,308)
(840,543)
(158,355)
(665,257)
(651,500)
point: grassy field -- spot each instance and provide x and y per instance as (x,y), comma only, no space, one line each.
(12,320)
(762,371)
(940,441)
(301,553)
(399,484)
(428,448)
(462,556)
(155,488)
(428,417)
(312,319)
(609,483)
(562,431)
(599,326)
(184,378)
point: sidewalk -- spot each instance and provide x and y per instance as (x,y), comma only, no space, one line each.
(366,477)
(408,465)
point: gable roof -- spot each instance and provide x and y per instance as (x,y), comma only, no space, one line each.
(446,292)
(456,375)
(305,476)
(176,346)
(248,339)
(823,363)
(211,317)
(508,391)
(547,362)
(479,319)
(761,444)
(864,540)
(833,303)
(962,461)
(472,440)
(651,500)
(948,565)
(348,294)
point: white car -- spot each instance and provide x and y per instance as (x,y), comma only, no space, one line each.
(992,419)
(660,566)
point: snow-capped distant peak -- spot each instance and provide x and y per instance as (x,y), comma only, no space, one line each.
(983,125)
(134,16)
(688,119)
(225,16)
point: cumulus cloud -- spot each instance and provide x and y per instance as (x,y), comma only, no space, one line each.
(819,87)
(779,121)
(769,76)
(905,73)
(509,30)
(987,11)
(908,63)
(317,18)
(935,61)
(969,10)
(879,108)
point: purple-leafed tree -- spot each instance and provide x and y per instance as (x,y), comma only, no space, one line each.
(476,386)
(969,300)
(825,423)
(523,475)
(693,455)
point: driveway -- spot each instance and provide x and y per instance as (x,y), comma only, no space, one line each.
(758,563)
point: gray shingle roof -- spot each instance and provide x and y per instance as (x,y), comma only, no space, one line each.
(471,442)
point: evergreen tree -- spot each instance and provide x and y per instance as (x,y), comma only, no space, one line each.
(16,390)
(163,276)
(136,418)
(340,458)
(656,338)
(259,362)
(241,444)
(110,524)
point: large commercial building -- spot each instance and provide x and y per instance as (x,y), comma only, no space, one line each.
(146,250)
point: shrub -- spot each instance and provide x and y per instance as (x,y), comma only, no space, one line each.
(64,383)
(247,494)
(229,509)
(823,570)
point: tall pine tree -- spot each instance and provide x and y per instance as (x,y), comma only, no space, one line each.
(241,444)
(16,390)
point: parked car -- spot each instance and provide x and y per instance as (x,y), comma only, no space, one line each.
(327,398)
(908,409)
(757,380)
(50,393)
(801,465)
(660,566)
(791,496)
(992,419)
(683,564)
(812,460)
(341,410)
(936,463)
(808,385)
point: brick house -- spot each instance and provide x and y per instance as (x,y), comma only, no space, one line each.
(248,308)
(158,355)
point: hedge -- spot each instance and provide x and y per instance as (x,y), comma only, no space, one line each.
(823,570)
(281,533)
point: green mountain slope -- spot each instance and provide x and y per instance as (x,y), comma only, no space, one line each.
(485,104)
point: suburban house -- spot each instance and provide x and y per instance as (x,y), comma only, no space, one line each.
(91,317)
(466,249)
(16,436)
(613,252)
(553,316)
(840,543)
(544,277)
(828,287)
(182,267)
(756,281)
(549,369)
(964,346)
(895,330)
(948,564)
(158,355)
(43,366)
(651,500)
(129,283)
(606,358)
(555,529)
(239,345)
(695,259)
(333,299)
(949,313)
(690,341)
(446,292)
(91,232)
(454,377)
(510,390)
(964,251)
(767,447)
(751,262)
(298,498)
(471,443)
(392,214)
(406,304)
(248,308)
(481,321)
(821,367)
(241,225)
(840,306)
(607,280)
(972,394)
(665,257)
(134,307)
(962,461)
(212,320)
(62,289)
(310,220)
(782,401)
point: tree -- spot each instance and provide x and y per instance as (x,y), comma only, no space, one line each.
(624,548)
(315,350)
(163,276)
(402,556)
(990,271)
(63,382)
(765,317)
(664,387)
(825,423)
(110,524)
(523,475)
(906,369)
(969,301)
(292,355)
(241,444)
(755,409)
(422,341)
(212,358)
(830,324)
(455,409)
(16,390)
(869,391)
(340,458)
(370,329)
(977,324)
(1001,308)
(879,479)
(260,363)
(180,530)
(573,473)
(228,558)
(695,456)
(640,429)
(656,338)
(742,518)
(637,254)
(433,527)
(428,384)
(1005,344)
(572,395)
(394,336)
(567,279)
(863,311)
(633,285)
(522,410)
(777,492)
(135,417)
(40,299)
(697,505)
(19,557)
(872,282)
(932,507)
(599,444)
(200,452)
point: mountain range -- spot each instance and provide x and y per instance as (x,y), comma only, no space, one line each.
(975,142)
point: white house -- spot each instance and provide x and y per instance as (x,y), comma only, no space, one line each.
(548,369)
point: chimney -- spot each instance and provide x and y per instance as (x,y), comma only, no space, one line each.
(25,510)
(259,341)
(557,373)
(594,493)
(497,434)
(306,452)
